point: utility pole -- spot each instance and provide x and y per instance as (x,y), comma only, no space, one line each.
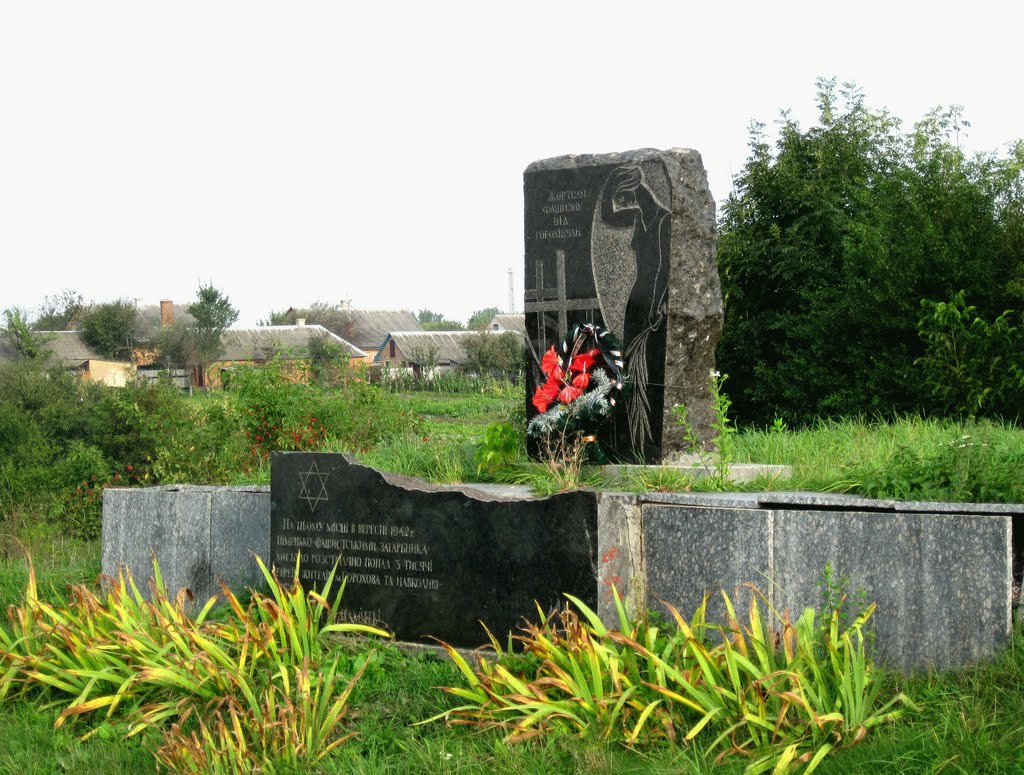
(511,295)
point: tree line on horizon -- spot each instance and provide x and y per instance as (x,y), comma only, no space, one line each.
(118,330)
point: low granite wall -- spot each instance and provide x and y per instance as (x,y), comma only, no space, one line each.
(941,574)
(200,535)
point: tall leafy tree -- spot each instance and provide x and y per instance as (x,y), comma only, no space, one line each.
(109,328)
(20,336)
(428,316)
(435,321)
(831,239)
(63,312)
(213,313)
(499,355)
(479,319)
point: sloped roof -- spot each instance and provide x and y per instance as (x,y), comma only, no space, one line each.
(371,326)
(447,344)
(65,347)
(515,323)
(262,342)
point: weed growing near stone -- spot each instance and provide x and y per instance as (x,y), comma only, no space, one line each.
(781,694)
(255,688)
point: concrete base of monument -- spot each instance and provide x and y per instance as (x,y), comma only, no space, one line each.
(692,465)
(429,560)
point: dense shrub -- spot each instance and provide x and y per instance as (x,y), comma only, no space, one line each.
(973,367)
(24,452)
(831,239)
(62,405)
(134,422)
(62,440)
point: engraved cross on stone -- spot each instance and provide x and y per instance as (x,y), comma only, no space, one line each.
(540,300)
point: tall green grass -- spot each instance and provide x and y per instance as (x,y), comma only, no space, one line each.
(912,458)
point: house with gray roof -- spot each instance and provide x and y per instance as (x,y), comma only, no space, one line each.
(293,344)
(264,342)
(68,350)
(427,350)
(370,327)
(515,323)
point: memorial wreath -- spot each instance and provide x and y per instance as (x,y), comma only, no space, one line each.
(580,384)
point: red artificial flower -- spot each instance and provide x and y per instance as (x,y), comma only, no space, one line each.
(550,365)
(562,386)
(581,380)
(569,394)
(547,393)
(585,361)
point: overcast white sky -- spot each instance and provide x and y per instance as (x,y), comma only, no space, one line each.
(315,151)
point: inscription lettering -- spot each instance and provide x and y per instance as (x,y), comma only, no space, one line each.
(359,617)
(543,234)
(560,205)
(574,193)
(382,556)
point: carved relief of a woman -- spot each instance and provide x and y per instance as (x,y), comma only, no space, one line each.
(628,202)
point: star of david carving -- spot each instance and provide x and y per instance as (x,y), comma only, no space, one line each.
(314,490)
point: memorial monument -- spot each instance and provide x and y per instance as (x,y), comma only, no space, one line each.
(625,242)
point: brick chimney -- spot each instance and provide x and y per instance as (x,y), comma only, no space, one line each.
(166,313)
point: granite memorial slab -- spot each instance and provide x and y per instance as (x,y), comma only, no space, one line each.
(940,574)
(626,241)
(940,581)
(695,551)
(429,561)
(201,535)
(433,560)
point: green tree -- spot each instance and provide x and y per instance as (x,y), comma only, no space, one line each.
(830,240)
(478,320)
(337,320)
(213,313)
(972,366)
(20,337)
(109,328)
(424,359)
(63,312)
(498,355)
(435,321)
(428,316)
(328,359)
(176,346)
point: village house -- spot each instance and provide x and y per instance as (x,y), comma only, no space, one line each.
(370,327)
(292,344)
(515,323)
(426,352)
(68,350)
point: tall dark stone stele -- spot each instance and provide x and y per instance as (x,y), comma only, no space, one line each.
(627,241)
(427,561)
